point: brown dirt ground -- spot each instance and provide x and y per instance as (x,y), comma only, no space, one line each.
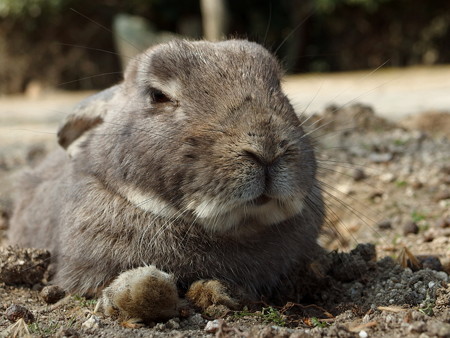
(381,178)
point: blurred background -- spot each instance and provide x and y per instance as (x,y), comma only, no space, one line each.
(83,44)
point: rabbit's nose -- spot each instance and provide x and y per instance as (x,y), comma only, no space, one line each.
(255,156)
(264,158)
(267,161)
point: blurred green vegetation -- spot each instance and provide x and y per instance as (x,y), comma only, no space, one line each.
(58,43)
(23,9)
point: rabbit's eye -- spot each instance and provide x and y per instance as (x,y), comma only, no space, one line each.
(158,96)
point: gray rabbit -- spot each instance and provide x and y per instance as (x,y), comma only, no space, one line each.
(193,174)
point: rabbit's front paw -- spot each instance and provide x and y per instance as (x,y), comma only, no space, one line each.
(204,293)
(143,294)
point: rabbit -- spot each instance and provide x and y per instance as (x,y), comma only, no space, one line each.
(195,172)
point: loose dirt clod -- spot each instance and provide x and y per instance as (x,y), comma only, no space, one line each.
(23,266)
(430,262)
(16,312)
(410,228)
(52,293)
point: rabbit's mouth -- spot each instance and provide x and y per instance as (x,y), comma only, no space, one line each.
(220,216)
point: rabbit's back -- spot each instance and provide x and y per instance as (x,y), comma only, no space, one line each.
(39,197)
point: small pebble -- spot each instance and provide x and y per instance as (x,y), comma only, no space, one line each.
(444,204)
(52,293)
(366,319)
(384,225)
(417,327)
(418,316)
(376,195)
(380,157)
(416,184)
(429,235)
(388,177)
(359,175)
(410,228)
(197,320)
(363,334)
(442,276)
(160,326)
(173,324)
(92,323)
(15,312)
(37,287)
(212,326)
(216,311)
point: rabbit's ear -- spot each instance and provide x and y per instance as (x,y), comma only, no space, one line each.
(87,114)
(138,65)
(131,71)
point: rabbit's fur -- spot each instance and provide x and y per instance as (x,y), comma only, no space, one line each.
(196,163)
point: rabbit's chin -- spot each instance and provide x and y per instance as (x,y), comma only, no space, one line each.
(221,216)
(237,216)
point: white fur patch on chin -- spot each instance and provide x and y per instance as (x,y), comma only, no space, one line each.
(148,202)
(221,217)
